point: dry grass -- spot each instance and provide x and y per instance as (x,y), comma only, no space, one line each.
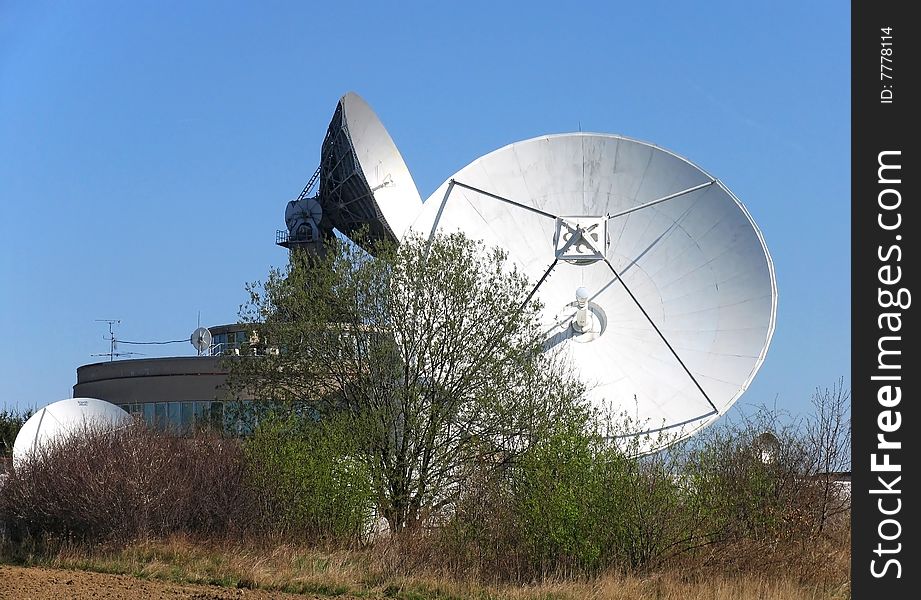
(367,573)
(748,532)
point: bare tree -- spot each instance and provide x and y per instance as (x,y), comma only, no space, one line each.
(828,439)
(433,350)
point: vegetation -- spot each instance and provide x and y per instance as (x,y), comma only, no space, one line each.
(312,484)
(414,442)
(431,352)
(374,572)
(99,486)
(572,509)
(10,424)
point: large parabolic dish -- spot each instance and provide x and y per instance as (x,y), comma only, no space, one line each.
(654,278)
(364,182)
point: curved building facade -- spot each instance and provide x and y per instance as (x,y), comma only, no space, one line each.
(180,392)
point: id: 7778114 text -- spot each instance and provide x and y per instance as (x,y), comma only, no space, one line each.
(886,71)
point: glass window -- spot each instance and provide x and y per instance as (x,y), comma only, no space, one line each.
(173,412)
(149,414)
(186,416)
(161,415)
(202,414)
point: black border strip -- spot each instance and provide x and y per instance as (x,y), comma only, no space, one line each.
(882,111)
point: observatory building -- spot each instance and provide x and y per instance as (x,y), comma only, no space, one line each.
(655,280)
(176,392)
(63,418)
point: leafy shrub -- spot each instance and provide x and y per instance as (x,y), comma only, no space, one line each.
(10,424)
(312,480)
(575,503)
(552,494)
(736,492)
(563,502)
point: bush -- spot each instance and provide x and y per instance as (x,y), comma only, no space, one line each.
(312,480)
(129,484)
(563,502)
(738,493)
(10,424)
(573,503)
(553,494)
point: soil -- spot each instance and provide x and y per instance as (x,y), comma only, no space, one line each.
(34,583)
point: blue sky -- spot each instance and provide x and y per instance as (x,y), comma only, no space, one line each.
(147,149)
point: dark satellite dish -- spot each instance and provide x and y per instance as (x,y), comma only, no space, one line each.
(363,184)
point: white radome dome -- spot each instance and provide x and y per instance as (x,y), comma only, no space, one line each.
(59,419)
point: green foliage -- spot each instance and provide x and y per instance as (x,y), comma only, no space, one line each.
(581,502)
(576,502)
(562,501)
(734,491)
(430,351)
(313,480)
(573,502)
(553,489)
(10,424)
(641,507)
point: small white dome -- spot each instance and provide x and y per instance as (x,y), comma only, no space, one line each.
(59,419)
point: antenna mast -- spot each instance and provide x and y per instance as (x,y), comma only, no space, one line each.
(112,339)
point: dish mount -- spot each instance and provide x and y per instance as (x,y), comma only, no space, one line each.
(365,190)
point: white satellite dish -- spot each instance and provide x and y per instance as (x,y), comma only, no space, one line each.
(363,179)
(767,447)
(201,340)
(65,417)
(681,296)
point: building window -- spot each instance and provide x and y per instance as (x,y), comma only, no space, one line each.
(173,413)
(160,420)
(182,417)
(187,416)
(149,414)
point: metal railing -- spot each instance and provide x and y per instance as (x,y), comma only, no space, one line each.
(283,237)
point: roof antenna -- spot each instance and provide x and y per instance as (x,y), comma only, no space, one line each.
(113,341)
